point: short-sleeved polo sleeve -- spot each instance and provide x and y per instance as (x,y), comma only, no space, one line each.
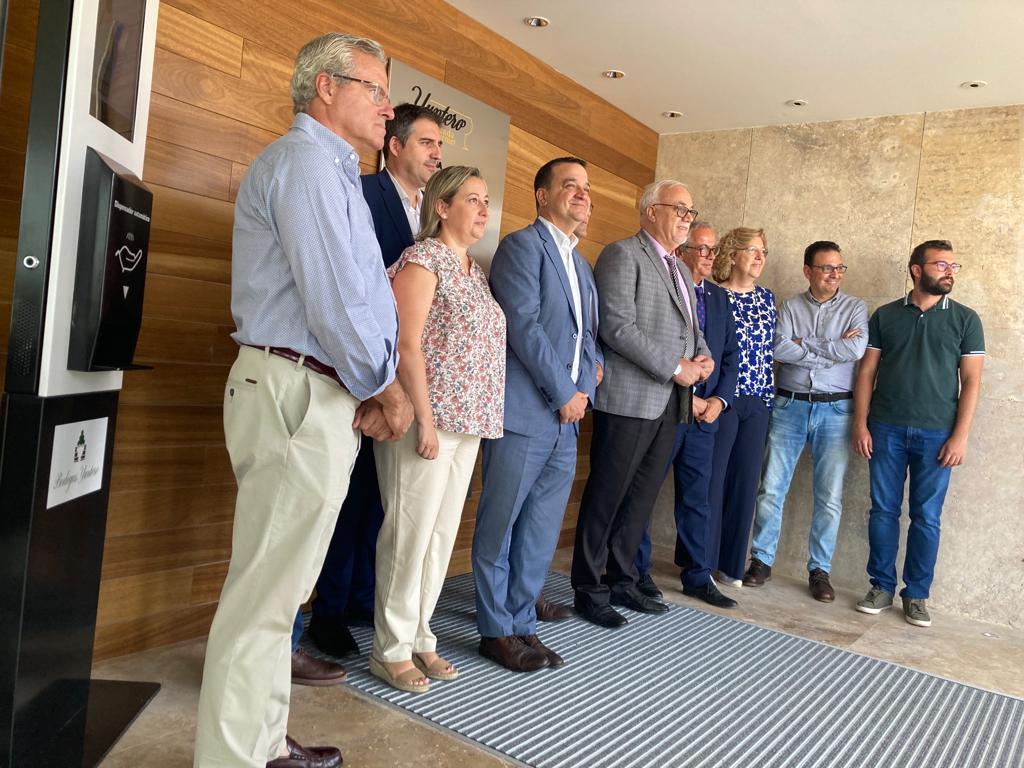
(973,341)
(874,331)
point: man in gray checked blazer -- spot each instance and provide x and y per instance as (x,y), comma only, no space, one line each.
(654,352)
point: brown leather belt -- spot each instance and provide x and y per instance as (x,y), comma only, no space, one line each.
(815,397)
(309,362)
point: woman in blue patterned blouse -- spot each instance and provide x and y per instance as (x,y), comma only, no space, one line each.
(743,428)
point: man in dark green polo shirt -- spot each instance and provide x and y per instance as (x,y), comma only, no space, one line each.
(914,400)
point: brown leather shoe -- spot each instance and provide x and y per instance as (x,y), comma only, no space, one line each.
(307,757)
(307,670)
(512,653)
(552,611)
(821,589)
(757,574)
(554,660)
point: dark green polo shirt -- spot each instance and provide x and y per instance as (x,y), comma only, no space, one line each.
(918,382)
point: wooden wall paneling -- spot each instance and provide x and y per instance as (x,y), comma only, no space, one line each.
(180,78)
(190,214)
(195,39)
(169,424)
(187,125)
(142,632)
(157,508)
(170,297)
(170,243)
(144,594)
(12,174)
(176,384)
(180,341)
(165,550)
(238,171)
(184,169)
(207,581)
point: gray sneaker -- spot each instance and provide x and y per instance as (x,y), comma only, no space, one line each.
(875,601)
(915,612)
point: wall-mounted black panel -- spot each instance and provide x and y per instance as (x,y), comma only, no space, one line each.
(110,278)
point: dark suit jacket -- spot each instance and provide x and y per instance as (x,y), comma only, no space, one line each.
(528,280)
(389,219)
(720,335)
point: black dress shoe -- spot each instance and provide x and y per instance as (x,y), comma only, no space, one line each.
(307,670)
(636,600)
(332,637)
(512,653)
(554,660)
(709,594)
(601,614)
(647,586)
(307,757)
(552,611)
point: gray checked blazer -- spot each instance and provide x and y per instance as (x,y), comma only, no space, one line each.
(643,327)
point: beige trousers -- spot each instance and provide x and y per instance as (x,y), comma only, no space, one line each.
(423,503)
(292,446)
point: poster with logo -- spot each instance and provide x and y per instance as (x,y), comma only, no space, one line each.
(76,464)
(472,133)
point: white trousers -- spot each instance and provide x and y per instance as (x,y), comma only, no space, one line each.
(292,446)
(423,503)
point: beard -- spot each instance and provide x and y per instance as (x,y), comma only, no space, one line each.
(933,286)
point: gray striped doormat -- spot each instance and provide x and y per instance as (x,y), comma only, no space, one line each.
(696,689)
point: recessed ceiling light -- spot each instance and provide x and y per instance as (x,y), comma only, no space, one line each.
(614,74)
(671,113)
(536,21)
(973,84)
(796,103)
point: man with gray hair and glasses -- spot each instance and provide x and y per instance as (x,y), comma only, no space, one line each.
(820,335)
(317,334)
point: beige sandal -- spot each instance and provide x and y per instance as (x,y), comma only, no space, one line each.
(403,681)
(441,669)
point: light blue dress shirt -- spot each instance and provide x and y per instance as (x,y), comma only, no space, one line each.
(306,269)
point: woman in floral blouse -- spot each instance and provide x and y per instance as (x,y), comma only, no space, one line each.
(451,346)
(743,428)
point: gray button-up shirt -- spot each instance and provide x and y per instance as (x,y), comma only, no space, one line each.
(823,361)
(306,269)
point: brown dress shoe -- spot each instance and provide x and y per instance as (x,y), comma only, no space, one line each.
(821,589)
(554,660)
(307,670)
(757,574)
(552,611)
(307,757)
(512,653)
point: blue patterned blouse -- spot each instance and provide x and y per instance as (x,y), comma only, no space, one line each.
(755,315)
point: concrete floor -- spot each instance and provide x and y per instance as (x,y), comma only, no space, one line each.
(374,735)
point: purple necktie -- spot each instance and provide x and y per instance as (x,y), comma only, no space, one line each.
(702,313)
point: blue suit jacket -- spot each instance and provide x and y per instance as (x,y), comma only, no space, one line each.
(389,219)
(529,281)
(720,335)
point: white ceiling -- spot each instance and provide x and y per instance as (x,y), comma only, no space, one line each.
(734,63)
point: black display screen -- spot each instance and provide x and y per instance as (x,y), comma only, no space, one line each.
(115,68)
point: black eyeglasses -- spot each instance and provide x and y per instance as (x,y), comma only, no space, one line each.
(828,269)
(704,250)
(681,210)
(946,266)
(378,94)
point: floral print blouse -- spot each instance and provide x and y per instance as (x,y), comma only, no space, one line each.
(463,343)
(755,315)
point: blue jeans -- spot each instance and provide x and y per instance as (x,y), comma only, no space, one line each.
(793,424)
(895,451)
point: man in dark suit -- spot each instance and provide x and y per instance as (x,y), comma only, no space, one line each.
(547,292)
(344,591)
(695,442)
(654,352)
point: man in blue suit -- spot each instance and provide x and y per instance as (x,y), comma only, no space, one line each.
(344,590)
(549,297)
(695,442)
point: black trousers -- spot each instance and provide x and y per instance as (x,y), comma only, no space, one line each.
(628,457)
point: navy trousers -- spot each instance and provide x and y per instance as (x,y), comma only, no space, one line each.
(735,475)
(691,474)
(346,583)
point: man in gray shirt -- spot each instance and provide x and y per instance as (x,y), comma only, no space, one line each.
(820,336)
